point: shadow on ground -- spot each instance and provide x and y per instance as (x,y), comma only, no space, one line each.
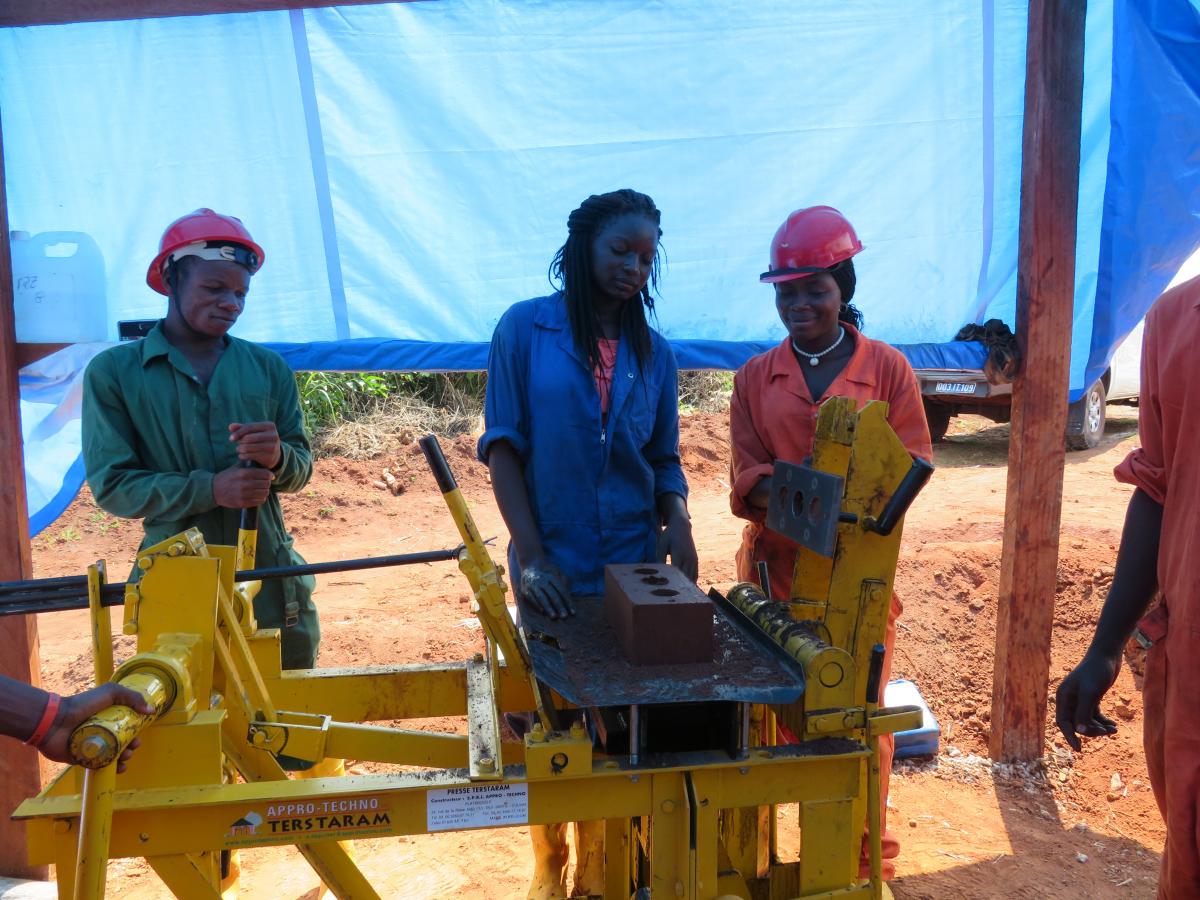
(1048,858)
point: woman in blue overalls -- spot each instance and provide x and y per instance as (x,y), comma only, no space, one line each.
(582,441)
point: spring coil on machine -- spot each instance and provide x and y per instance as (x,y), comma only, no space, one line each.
(798,638)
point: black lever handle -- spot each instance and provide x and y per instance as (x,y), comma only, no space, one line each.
(875,674)
(249,519)
(437,463)
(902,499)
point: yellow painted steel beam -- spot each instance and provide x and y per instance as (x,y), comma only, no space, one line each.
(831,838)
(483,721)
(243,660)
(330,860)
(166,821)
(389,692)
(65,854)
(338,871)
(702,787)
(95,829)
(394,745)
(618,859)
(668,835)
(102,644)
(488,583)
(784,885)
(177,755)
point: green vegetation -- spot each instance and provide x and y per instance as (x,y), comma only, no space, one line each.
(329,399)
(363,415)
(704,391)
(70,533)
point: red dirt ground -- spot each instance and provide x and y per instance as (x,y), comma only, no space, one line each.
(1078,825)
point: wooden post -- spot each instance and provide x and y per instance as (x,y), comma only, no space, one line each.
(1045,293)
(18,634)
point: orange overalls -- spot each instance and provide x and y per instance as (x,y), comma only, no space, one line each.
(772,416)
(1167,469)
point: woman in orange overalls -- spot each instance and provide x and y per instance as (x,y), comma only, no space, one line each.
(773,410)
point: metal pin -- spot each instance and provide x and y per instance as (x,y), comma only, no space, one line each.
(744,746)
(635,737)
(764,578)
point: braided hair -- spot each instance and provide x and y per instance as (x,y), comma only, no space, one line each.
(571,273)
(843,275)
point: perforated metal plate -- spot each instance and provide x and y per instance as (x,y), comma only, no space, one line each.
(579,657)
(805,505)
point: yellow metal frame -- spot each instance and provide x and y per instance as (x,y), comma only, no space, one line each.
(702,826)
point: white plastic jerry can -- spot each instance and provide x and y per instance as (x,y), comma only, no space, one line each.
(59,288)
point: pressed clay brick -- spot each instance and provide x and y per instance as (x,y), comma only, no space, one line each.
(658,614)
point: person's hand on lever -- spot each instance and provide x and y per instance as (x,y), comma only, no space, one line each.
(257,442)
(74,711)
(241,487)
(547,589)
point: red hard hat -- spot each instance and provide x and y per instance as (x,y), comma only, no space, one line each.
(811,240)
(201,227)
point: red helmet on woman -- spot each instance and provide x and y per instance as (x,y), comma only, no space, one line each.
(208,235)
(810,241)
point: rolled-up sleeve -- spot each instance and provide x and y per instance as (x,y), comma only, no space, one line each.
(749,458)
(1145,468)
(506,404)
(662,450)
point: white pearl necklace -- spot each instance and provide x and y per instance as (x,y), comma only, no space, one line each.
(815,358)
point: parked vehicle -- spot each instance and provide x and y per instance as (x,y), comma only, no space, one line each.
(953,392)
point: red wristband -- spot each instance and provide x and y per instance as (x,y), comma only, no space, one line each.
(48,717)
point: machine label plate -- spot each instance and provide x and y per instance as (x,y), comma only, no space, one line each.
(284,821)
(953,387)
(477,806)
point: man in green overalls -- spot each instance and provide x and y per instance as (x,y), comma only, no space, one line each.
(169,421)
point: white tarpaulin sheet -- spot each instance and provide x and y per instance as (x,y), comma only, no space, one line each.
(409,167)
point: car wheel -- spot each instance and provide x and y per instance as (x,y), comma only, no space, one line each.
(1085,419)
(938,415)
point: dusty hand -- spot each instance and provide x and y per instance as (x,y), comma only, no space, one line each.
(547,589)
(675,540)
(242,488)
(257,442)
(1077,701)
(78,709)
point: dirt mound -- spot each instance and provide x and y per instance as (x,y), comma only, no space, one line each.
(947,642)
(345,489)
(704,447)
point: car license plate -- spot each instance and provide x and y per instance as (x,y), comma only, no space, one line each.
(954,387)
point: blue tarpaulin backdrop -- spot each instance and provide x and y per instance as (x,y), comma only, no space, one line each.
(409,167)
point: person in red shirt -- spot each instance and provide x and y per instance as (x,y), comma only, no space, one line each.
(773,410)
(1160,549)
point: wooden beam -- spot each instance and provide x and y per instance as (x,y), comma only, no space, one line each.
(62,12)
(31,353)
(1036,450)
(18,634)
